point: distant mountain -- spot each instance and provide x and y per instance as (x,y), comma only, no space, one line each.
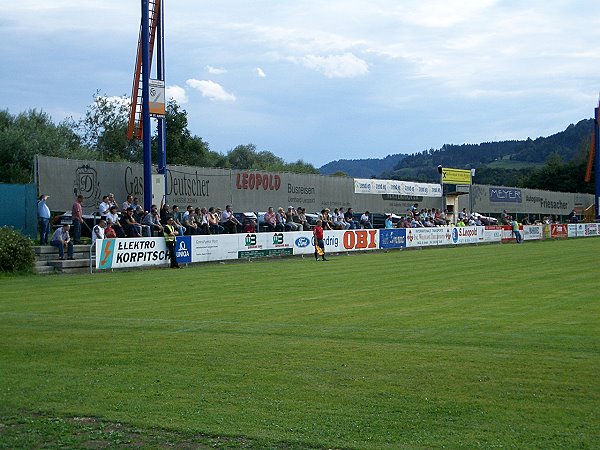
(571,144)
(362,168)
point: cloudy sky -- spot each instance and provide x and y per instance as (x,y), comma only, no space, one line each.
(320,80)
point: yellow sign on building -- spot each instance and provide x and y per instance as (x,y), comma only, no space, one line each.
(456,176)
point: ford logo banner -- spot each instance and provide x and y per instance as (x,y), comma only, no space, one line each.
(302,242)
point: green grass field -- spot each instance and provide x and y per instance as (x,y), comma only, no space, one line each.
(469,347)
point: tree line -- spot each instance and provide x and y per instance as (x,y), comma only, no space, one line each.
(101,135)
(554,163)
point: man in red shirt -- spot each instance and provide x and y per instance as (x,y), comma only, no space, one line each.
(319,242)
(77,218)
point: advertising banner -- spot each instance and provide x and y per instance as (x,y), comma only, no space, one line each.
(492,234)
(335,241)
(392,238)
(575,230)
(371,186)
(591,229)
(425,237)
(214,247)
(131,252)
(505,195)
(532,232)
(456,176)
(467,235)
(559,231)
(256,245)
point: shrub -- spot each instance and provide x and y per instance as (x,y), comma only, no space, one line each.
(16,252)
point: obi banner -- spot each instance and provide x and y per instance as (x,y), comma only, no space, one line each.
(369,186)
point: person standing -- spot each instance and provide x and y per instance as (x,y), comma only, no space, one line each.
(77,218)
(515,230)
(61,240)
(319,242)
(43,219)
(170,234)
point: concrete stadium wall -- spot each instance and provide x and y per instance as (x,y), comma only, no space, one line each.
(250,190)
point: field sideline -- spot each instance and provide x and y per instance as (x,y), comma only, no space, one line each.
(469,347)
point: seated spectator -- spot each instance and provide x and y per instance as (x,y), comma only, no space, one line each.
(280,220)
(98,231)
(109,231)
(152,221)
(302,219)
(135,203)
(325,219)
(128,203)
(290,224)
(61,240)
(416,223)
(213,222)
(139,214)
(189,223)
(177,217)
(349,218)
(250,226)
(341,219)
(116,221)
(403,222)
(428,222)
(365,220)
(335,223)
(111,200)
(202,221)
(229,222)
(131,227)
(270,219)
(187,211)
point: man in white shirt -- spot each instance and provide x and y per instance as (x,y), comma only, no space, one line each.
(98,231)
(228,220)
(104,207)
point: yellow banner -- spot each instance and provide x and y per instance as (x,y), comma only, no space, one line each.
(456,176)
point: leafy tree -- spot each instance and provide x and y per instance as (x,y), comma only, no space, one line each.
(30,133)
(182,147)
(103,130)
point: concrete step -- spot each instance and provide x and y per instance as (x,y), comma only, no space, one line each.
(49,249)
(74,270)
(69,263)
(44,270)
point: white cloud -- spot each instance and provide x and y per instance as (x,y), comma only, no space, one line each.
(177,93)
(215,70)
(335,66)
(260,73)
(210,89)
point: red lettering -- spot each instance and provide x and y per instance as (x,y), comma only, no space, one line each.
(237,181)
(277,182)
(251,181)
(372,234)
(349,240)
(361,239)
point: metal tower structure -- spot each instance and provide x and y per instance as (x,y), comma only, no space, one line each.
(147,95)
(594,162)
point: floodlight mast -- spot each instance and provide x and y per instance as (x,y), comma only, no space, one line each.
(139,126)
(597,163)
